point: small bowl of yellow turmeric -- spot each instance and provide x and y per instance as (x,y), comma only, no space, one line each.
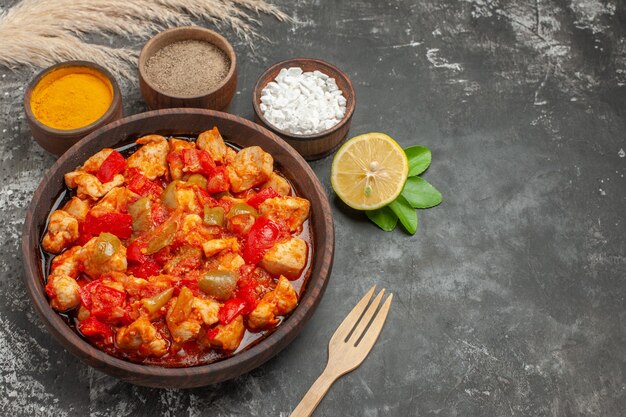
(67,101)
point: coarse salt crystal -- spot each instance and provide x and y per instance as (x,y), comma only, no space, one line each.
(302,103)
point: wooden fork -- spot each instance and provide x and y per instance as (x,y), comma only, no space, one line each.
(348,347)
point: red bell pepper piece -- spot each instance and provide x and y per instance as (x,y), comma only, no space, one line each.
(263,234)
(247,293)
(92,327)
(261,196)
(83,237)
(252,284)
(162,256)
(107,303)
(103,302)
(141,265)
(140,184)
(175,161)
(206,162)
(119,224)
(134,253)
(218,181)
(160,213)
(230,310)
(190,159)
(197,161)
(85,293)
(205,198)
(112,165)
(189,280)
(145,270)
(212,333)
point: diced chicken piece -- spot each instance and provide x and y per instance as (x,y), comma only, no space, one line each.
(176,165)
(278,184)
(185,331)
(151,158)
(186,199)
(212,142)
(63,291)
(285,297)
(89,186)
(77,208)
(228,201)
(132,285)
(163,282)
(190,223)
(62,232)
(213,247)
(180,144)
(111,283)
(67,263)
(187,314)
(117,262)
(143,337)
(194,232)
(230,261)
(144,140)
(182,325)
(293,211)
(92,165)
(228,336)
(282,300)
(252,166)
(83,313)
(115,201)
(206,310)
(262,316)
(229,156)
(286,258)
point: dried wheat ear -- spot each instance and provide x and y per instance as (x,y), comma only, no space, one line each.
(39,33)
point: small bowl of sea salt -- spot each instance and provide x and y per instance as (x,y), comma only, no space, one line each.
(307,102)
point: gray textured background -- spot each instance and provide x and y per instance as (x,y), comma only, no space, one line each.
(509,299)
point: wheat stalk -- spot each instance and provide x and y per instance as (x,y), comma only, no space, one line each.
(39,33)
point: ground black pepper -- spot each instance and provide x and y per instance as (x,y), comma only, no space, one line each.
(187,68)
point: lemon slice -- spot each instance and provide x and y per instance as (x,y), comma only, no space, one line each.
(369,171)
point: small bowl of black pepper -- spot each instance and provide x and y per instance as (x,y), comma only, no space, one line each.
(188,67)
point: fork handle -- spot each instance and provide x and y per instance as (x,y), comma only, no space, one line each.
(315,394)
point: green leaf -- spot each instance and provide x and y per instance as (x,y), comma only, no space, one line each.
(406,214)
(420,194)
(419,159)
(384,218)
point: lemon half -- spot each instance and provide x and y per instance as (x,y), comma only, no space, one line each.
(369,171)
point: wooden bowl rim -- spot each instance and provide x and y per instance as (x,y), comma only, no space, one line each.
(72,133)
(229,51)
(81,348)
(256,97)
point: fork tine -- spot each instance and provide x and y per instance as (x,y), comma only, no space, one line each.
(371,334)
(365,320)
(348,323)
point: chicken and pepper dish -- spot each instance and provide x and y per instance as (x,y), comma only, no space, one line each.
(173,254)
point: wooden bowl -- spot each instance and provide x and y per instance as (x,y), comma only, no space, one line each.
(181,121)
(217,99)
(318,145)
(57,141)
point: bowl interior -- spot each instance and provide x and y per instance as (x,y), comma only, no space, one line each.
(307,65)
(181,121)
(170,36)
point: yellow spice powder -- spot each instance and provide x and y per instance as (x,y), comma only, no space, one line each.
(71,97)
